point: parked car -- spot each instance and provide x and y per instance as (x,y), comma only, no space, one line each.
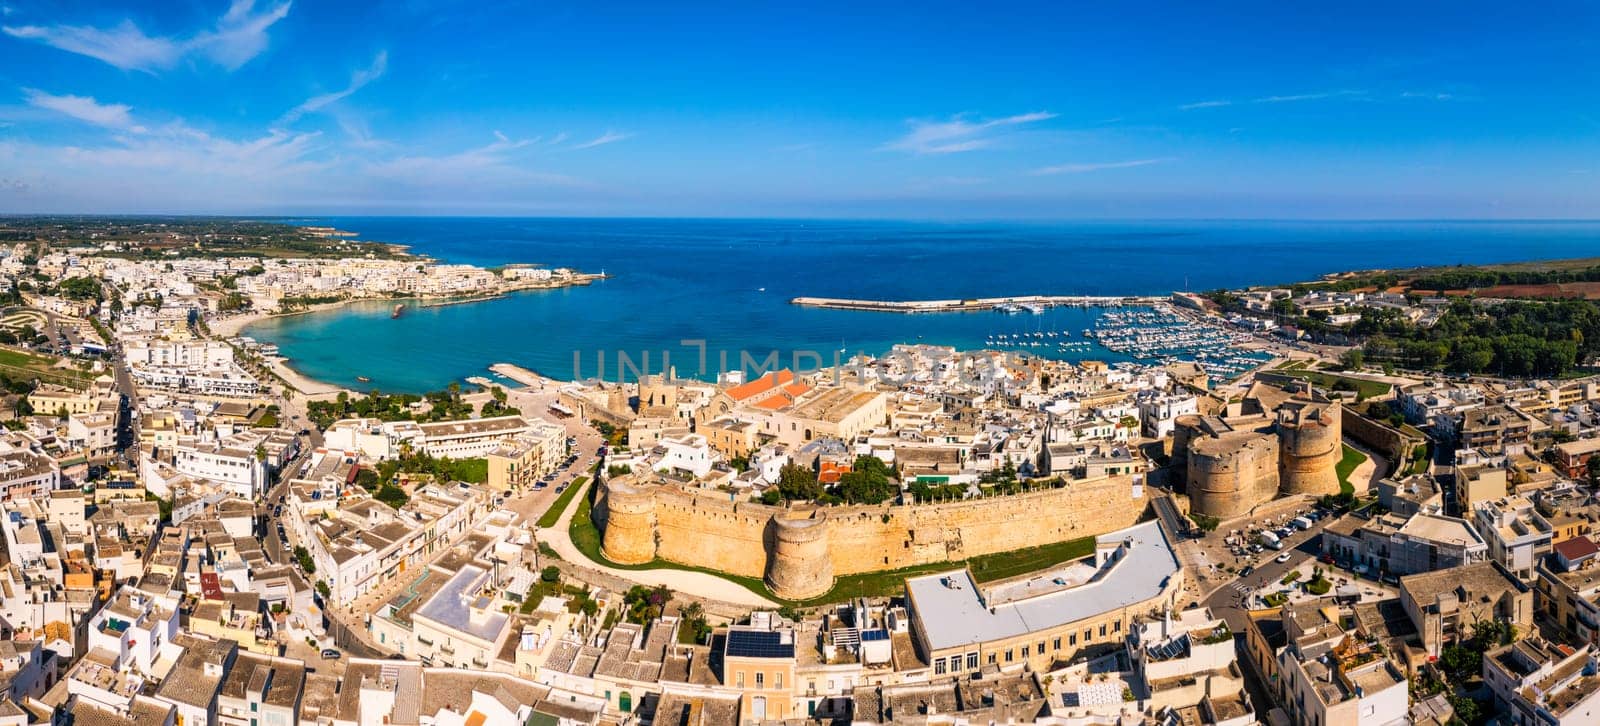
(1284,557)
(1247,570)
(330,654)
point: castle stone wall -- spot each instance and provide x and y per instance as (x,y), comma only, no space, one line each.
(1310,450)
(1228,478)
(798,553)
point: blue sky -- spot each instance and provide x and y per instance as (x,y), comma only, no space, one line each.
(905,110)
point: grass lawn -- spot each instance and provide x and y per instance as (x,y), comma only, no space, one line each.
(1001,565)
(1346,465)
(548,519)
(1364,388)
(13,361)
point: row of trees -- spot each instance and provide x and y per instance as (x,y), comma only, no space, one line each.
(445,405)
(1515,339)
(869,481)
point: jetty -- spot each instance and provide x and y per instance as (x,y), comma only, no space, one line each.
(521,375)
(1014,303)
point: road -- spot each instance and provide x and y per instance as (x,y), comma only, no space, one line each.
(1231,601)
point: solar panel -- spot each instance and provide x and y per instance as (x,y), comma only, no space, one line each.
(758,644)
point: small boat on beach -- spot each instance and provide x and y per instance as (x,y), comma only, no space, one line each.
(397,311)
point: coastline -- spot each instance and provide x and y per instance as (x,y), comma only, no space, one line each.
(235,325)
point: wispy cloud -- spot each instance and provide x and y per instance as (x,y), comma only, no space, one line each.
(1084,168)
(86,109)
(238,36)
(357,80)
(1288,98)
(1429,96)
(960,133)
(492,157)
(1307,96)
(609,137)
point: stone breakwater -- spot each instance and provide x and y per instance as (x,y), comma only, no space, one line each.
(977,304)
(798,551)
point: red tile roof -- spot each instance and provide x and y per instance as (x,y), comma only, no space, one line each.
(760,385)
(1576,548)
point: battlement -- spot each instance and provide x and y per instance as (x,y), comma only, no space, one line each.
(798,551)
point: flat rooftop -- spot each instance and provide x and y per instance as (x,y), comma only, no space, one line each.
(951,611)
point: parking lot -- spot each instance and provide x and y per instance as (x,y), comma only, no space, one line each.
(1237,544)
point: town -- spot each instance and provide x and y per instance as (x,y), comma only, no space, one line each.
(1266,513)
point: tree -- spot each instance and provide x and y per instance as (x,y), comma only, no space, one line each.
(550,574)
(1352,359)
(304,558)
(1467,710)
(867,482)
(800,483)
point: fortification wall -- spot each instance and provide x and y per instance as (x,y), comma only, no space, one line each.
(1185,429)
(1395,445)
(1228,479)
(1309,453)
(799,553)
(708,530)
(799,566)
(630,532)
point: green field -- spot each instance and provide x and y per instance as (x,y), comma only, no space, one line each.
(551,515)
(1364,388)
(1001,565)
(1346,465)
(22,364)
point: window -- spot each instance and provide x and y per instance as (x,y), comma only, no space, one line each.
(738,680)
(1041,647)
(1024,651)
(938,666)
(1072,639)
(991,659)
(1008,655)
(761,680)
(1088,635)
(1102,630)
(777,680)
(1056,645)
(972,661)
(1116,626)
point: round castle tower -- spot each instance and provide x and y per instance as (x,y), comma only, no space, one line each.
(798,564)
(1310,447)
(630,524)
(1229,476)
(1185,430)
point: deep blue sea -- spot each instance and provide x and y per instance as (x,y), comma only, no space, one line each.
(728,282)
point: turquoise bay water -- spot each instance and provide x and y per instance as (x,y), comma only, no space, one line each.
(728,283)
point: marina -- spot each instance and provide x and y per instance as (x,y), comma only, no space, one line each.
(1161,335)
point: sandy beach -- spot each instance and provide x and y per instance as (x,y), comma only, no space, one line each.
(231,325)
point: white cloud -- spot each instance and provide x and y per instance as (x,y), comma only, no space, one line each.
(1204,104)
(608,137)
(1099,166)
(1307,96)
(86,109)
(357,80)
(473,166)
(1429,96)
(239,35)
(960,133)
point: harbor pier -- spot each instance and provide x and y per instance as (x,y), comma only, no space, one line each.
(1016,303)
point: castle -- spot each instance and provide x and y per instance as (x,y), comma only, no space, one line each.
(1275,440)
(798,550)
